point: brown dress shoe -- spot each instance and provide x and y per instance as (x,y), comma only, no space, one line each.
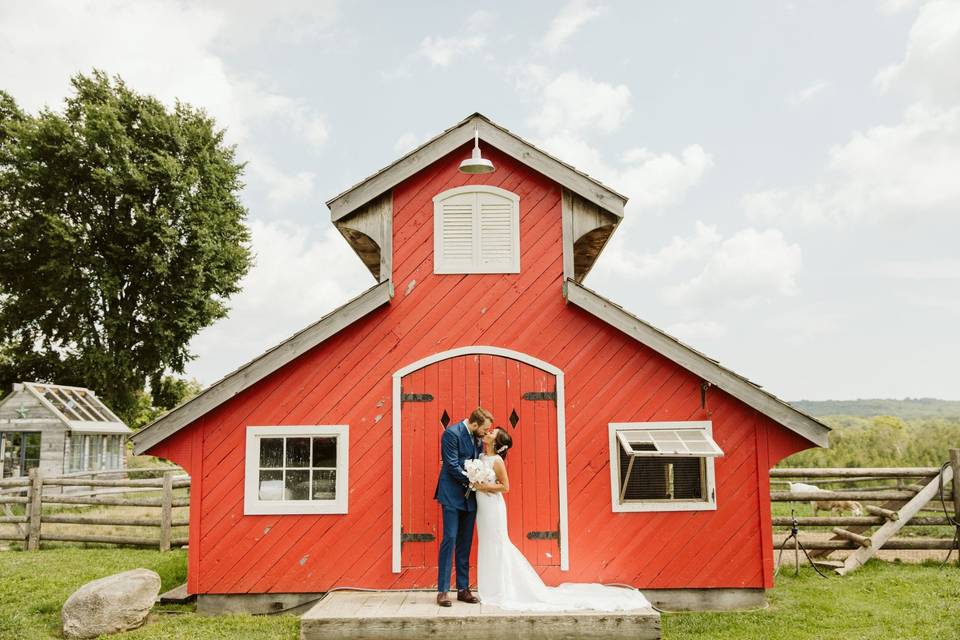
(464,595)
(443,600)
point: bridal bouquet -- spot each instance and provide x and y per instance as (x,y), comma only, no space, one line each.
(478,473)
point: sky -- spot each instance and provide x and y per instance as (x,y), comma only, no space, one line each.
(793,168)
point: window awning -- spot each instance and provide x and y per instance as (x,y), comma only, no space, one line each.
(668,442)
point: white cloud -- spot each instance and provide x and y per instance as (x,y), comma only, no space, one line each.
(166,49)
(297,278)
(571,18)
(706,270)
(443,51)
(678,252)
(901,170)
(808,93)
(745,268)
(887,171)
(574,103)
(929,69)
(281,188)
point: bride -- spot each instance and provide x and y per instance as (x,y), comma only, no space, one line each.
(504,577)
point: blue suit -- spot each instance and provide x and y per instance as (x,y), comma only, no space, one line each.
(457,445)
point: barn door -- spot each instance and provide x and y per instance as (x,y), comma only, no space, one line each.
(522,399)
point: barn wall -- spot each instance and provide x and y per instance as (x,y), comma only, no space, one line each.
(347,380)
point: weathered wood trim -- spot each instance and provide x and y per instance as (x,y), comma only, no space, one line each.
(372,223)
(423,156)
(262,366)
(561,440)
(566,217)
(886,531)
(695,362)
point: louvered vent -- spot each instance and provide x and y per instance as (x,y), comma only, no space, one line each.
(476,231)
(496,231)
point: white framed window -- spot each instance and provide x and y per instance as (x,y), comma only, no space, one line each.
(476,229)
(663,466)
(296,470)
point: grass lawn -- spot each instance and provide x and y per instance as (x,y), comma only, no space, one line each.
(881,600)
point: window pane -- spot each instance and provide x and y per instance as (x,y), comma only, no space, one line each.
(11,455)
(324,452)
(32,449)
(76,452)
(271,452)
(298,452)
(687,478)
(93,449)
(297,485)
(324,484)
(271,485)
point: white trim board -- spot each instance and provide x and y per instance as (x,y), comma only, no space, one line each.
(261,366)
(695,362)
(561,440)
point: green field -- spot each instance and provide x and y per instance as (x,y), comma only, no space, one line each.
(882,600)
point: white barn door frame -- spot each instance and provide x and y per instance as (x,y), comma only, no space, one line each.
(561,437)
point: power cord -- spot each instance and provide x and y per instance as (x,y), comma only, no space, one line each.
(794,535)
(950,519)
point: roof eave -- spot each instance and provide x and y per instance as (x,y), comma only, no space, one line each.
(692,360)
(260,367)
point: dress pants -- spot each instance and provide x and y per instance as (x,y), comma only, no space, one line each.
(457,536)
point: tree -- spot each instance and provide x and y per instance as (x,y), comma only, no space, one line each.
(121,236)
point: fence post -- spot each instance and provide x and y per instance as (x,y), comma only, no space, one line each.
(166,512)
(955,463)
(34,509)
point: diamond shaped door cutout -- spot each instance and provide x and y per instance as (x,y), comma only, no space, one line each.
(445,419)
(514,418)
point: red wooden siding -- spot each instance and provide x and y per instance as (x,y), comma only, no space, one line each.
(347,380)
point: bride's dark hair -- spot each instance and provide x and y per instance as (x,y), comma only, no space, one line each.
(502,442)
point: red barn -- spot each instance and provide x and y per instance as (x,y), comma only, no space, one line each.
(637,459)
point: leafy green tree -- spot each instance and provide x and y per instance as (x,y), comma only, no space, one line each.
(122,235)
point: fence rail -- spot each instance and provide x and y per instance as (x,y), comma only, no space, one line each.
(870,527)
(32,535)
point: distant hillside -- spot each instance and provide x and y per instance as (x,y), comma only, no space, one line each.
(908,408)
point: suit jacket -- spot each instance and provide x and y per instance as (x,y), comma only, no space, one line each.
(457,445)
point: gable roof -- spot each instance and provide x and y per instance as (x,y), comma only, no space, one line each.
(458,135)
(76,407)
(261,366)
(692,360)
(379,183)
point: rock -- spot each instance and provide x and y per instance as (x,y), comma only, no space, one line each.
(109,605)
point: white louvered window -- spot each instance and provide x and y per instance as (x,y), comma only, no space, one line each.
(476,230)
(663,466)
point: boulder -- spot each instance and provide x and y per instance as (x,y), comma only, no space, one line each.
(109,605)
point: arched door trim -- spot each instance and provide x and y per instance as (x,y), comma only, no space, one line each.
(561,437)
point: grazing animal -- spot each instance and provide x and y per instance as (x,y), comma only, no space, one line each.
(837,506)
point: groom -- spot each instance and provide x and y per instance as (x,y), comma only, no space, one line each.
(457,445)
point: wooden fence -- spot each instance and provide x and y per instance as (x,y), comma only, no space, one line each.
(893,498)
(29,492)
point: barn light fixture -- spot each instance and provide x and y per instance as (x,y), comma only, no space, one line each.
(476,164)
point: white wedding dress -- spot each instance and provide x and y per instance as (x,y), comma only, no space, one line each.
(505,578)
